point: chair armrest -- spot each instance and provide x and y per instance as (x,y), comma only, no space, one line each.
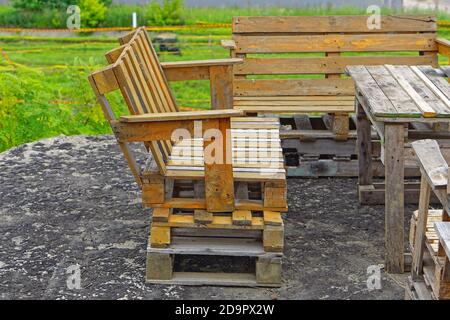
(162,126)
(228,44)
(443,47)
(201,63)
(432,163)
(196,69)
(182,116)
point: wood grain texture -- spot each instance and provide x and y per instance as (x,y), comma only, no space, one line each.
(394,197)
(333,24)
(433,164)
(336,43)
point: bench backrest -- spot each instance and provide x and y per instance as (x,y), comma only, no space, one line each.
(135,70)
(321,47)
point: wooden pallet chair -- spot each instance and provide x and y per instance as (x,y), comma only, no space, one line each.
(250,156)
(430,273)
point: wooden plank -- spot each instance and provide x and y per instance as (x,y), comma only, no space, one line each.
(219,186)
(268,270)
(333,24)
(295,98)
(212,278)
(364,147)
(295,109)
(375,98)
(221,86)
(159,236)
(427,90)
(159,266)
(310,65)
(273,238)
(184,115)
(293,103)
(402,102)
(437,78)
(394,197)
(219,222)
(432,162)
(187,73)
(446,70)
(442,91)
(160,214)
(200,63)
(272,218)
(289,87)
(422,219)
(443,232)
(235,247)
(242,217)
(401,74)
(336,43)
(203,217)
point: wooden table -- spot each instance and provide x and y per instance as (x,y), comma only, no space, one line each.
(390,98)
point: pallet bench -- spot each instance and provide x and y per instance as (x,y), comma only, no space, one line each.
(209,170)
(295,67)
(430,234)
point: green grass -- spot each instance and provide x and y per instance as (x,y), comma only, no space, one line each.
(44,92)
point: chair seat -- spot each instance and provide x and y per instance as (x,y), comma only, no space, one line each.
(257,153)
(295,104)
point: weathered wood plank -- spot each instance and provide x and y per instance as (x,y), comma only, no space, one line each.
(401,75)
(437,78)
(422,219)
(290,87)
(432,162)
(394,197)
(402,102)
(336,43)
(309,65)
(374,96)
(333,24)
(443,233)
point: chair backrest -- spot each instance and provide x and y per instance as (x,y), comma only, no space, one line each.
(136,71)
(321,47)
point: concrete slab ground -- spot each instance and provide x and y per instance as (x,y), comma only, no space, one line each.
(71,201)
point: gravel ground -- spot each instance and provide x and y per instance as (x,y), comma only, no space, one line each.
(72,201)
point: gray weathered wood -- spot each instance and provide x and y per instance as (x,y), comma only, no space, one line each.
(364,147)
(421,225)
(213,278)
(443,233)
(376,99)
(394,197)
(213,246)
(432,162)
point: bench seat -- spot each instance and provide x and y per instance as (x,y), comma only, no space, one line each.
(295,104)
(257,153)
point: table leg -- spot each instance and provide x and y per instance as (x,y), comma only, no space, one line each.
(394,196)
(364,148)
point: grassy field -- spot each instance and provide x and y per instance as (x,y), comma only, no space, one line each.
(43,86)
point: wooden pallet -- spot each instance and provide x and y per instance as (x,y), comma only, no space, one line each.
(262,269)
(430,235)
(268,223)
(417,290)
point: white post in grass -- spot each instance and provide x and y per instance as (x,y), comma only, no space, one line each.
(134,19)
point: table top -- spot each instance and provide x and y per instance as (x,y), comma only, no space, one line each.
(403,93)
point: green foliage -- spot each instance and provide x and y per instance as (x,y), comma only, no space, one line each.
(93,13)
(39,5)
(169,13)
